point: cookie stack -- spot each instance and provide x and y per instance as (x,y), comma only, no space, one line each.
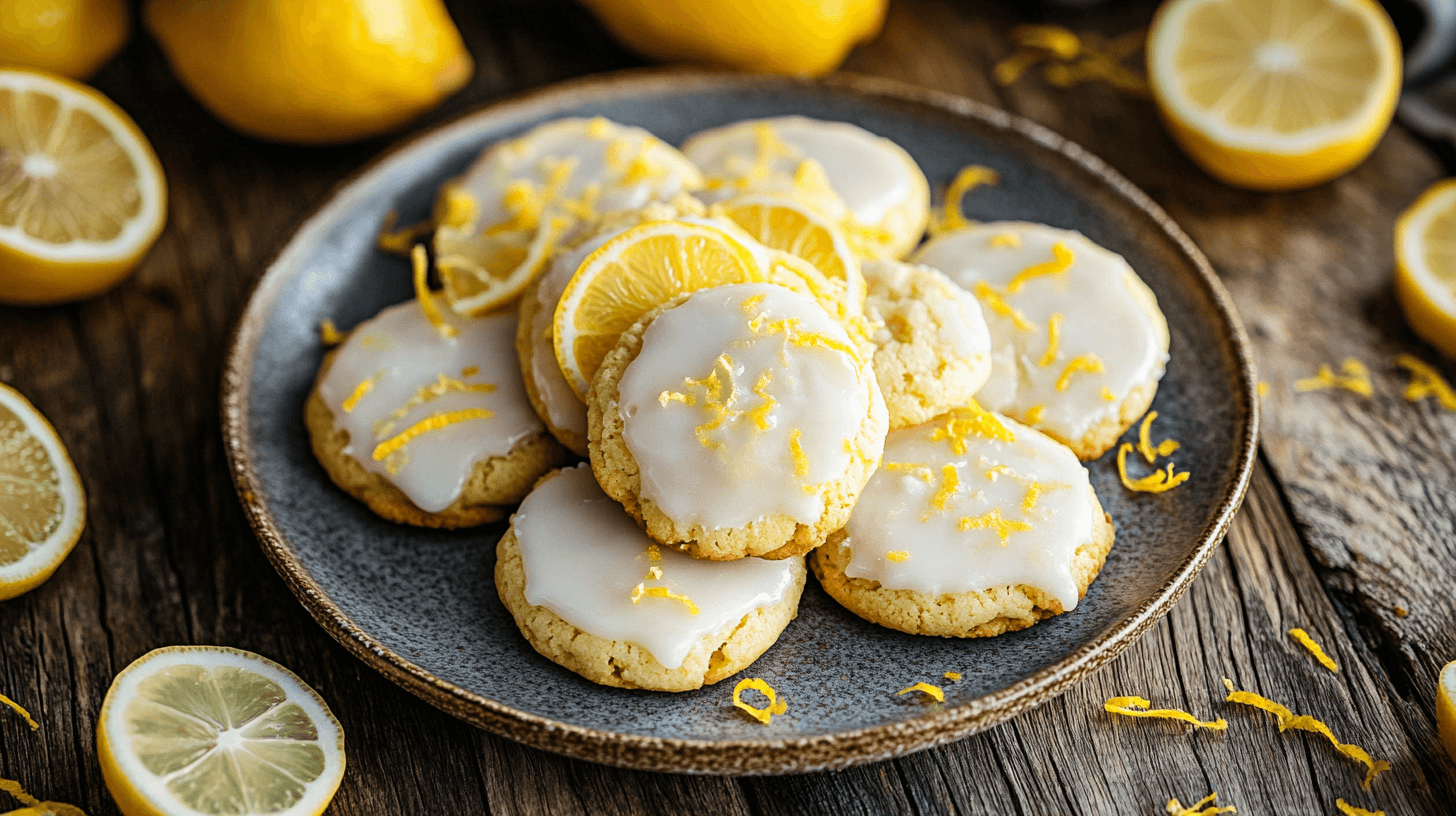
(733,339)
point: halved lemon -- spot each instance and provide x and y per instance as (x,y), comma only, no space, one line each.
(634,273)
(207,730)
(82,197)
(1425,266)
(42,505)
(1275,95)
(789,226)
(1446,707)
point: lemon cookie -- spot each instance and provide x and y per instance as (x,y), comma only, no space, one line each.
(736,421)
(932,349)
(974,525)
(428,424)
(1078,343)
(865,182)
(497,224)
(625,612)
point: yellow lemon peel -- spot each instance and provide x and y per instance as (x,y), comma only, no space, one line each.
(950,482)
(996,470)
(526,201)
(1176,808)
(1426,381)
(1087,363)
(920,472)
(998,304)
(897,556)
(1028,502)
(674,396)
(1138,707)
(329,334)
(952,676)
(1356,378)
(751,303)
(401,241)
(1287,719)
(957,424)
(1054,339)
(1350,810)
(1145,443)
(1107,394)
(420,261)
(440,387)
(1158,481)
(1005,239)
(360,390)
(951,217)
(1303,639)
(1262,388)
(761,414)
(796,450)
(765,714)
(1061,261)
(1033,414)
(643,591)
(424,426)
(18,709)
(994,521)
(926,689)
(598,127)
(1074,59)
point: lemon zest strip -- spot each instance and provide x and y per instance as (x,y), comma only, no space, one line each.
(920,472)
(1033,414)
(751,303)
(329,334)
(1356,378)
(1426,381)
(1028,503)
(1088,363)
(761,413)
(1302,637)
(1287,720)
(400,241)
(1054,339)
(1158,481)
(926,689)
(796,450)
(439,388)
(998,304)
(950,482)
(426,425)
(959,423)
(674,396)
(1138,707)
(765,714)
(994,521)
(1176,808)
(643,591)
(970,177)
(1145,444)
(1350,810)
(25,715)
(996,470)
(952,676)
(897,556)
(1005,239)
(420,261)
(1061,261)
(1262,388)
(364,387)
(13,788)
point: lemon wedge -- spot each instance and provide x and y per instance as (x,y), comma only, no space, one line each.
(207,730)
(82,196)
(1425,265)
(1275,95)
(1446,707)
(789,226)
(42,505)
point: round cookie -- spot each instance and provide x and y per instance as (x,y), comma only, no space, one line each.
(932,349)
(736,421)
(863,181)
(974,526)
(621,612)
(427,429)
(1078,343)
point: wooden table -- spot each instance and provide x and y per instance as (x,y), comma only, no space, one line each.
(1348,531)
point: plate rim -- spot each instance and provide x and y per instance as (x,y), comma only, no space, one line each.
(831,751)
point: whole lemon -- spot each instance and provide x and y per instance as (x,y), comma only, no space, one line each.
(312,71)
(779,36)
(68,37)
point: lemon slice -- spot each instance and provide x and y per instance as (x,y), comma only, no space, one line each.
(1425,266)
(481,273)
(1446,707)
(1275,95)
(208,729)
(42,505)
(791,227)
(82,196)
(634,273)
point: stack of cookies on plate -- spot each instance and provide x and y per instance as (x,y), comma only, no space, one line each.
(760,361)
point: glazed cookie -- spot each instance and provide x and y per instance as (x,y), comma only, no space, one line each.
(865,182)
(497,224)
(625,612)
(932,350)
(736,421)
(1078,343)
(975,525)
(425,428)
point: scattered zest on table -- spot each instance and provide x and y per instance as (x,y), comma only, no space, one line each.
(1262,388)
(952,676)
(1303,638)
(1138,707)
(1288,719)
(1176,808)
(1356,378)
(1074,59)
(34,726)
(951,217)
(1350,810)
(926,689)
(1158,481)
(13,788)
(765,714)
(329,334)
(1426,381)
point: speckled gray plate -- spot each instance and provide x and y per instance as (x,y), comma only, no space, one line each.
(420,606)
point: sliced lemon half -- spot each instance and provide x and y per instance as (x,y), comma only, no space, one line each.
(82,197)
(1275,94)
(792,227)
(1425,266)
(634,273)
(1446,707)
(42,505)
(211,730)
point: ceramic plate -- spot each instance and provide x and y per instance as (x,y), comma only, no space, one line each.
(421,607)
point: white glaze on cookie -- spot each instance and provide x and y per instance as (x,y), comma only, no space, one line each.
(396,370)
(790,398)
(910,510)
(584,559)
(1107,314)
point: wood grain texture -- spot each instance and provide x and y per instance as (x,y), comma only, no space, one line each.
(1350,515)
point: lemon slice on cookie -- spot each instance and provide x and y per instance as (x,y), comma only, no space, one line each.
(42,505)
(1425,266)
(790,226)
